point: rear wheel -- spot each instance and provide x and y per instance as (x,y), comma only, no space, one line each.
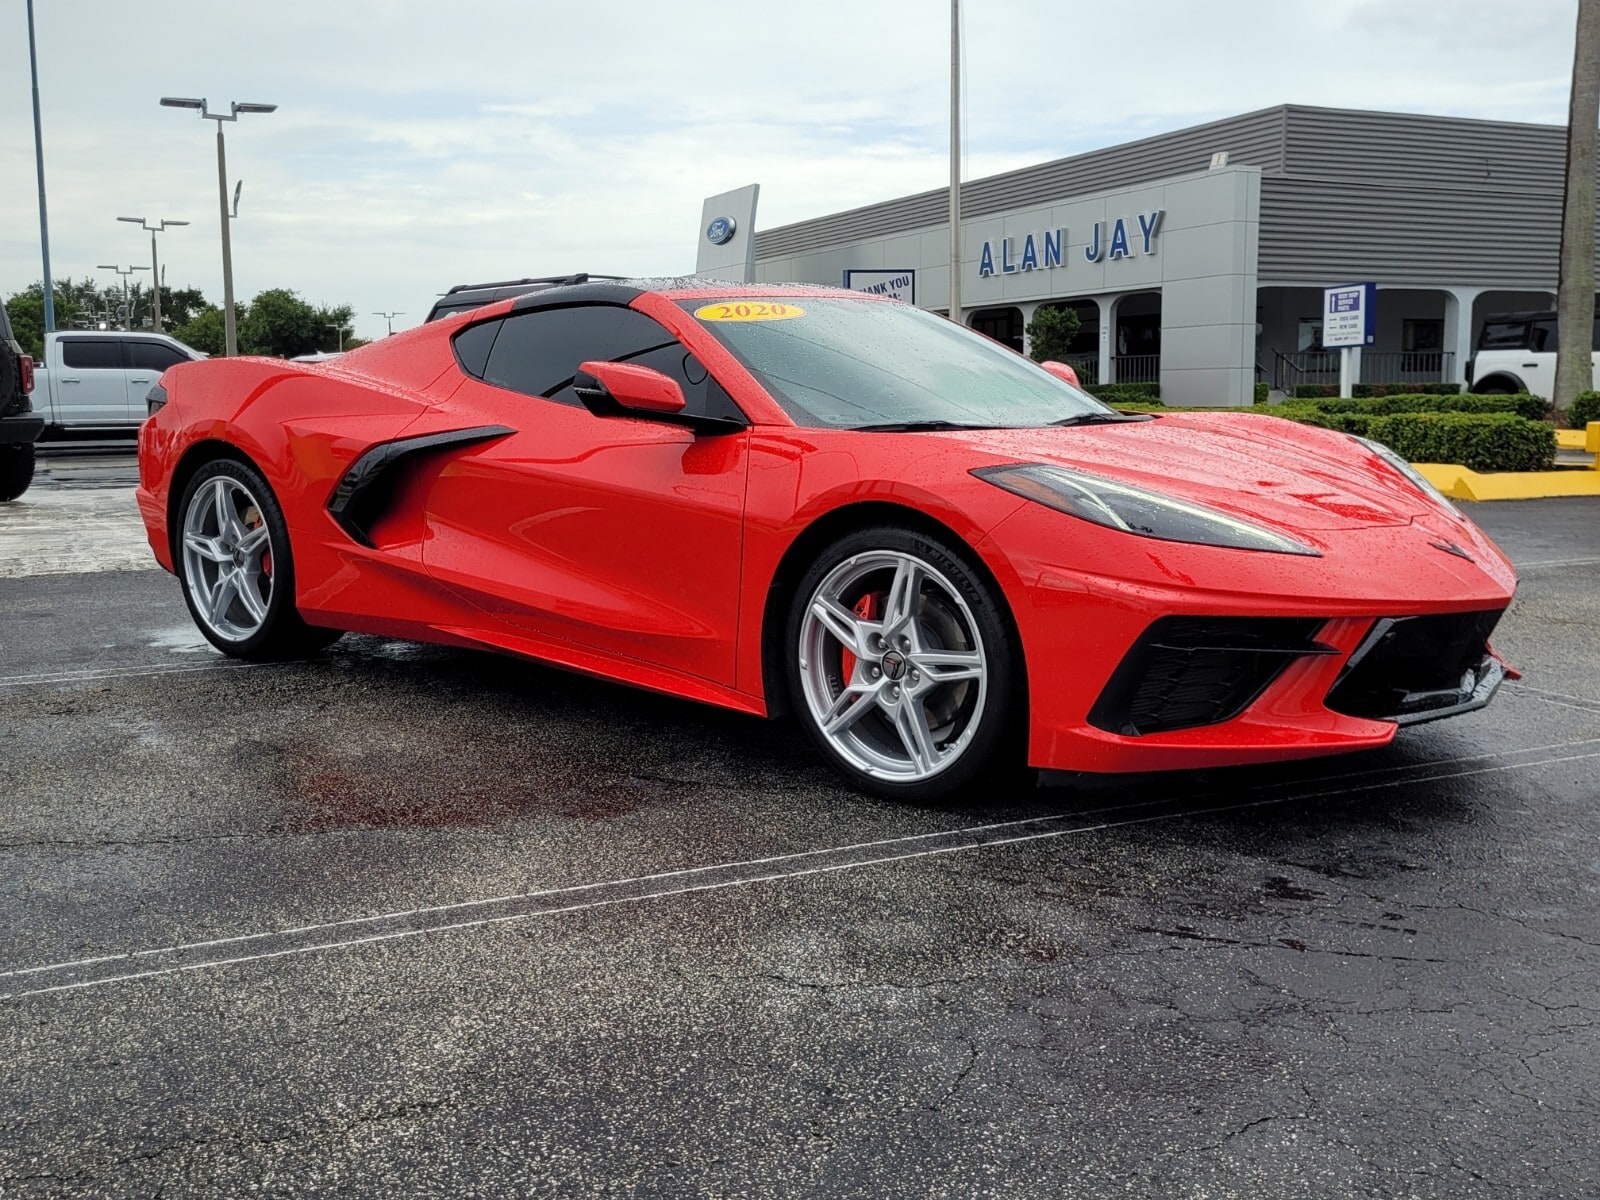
(902,665)
(16,468)
(233,558)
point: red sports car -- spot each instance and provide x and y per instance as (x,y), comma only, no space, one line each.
(938,555)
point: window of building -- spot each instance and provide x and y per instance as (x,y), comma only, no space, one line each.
(1421,334)
(1004,325)
(1309,337)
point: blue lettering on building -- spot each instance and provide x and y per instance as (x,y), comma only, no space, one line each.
(1119,240)
(1147,227)
(1103,244)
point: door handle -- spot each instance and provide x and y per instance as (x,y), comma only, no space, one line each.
(140,378)
(1525,366)
(70,379)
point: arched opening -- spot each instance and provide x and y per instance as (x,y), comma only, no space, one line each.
(1004,325)
(1136,341)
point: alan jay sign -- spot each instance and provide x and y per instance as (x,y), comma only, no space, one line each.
(1126,237)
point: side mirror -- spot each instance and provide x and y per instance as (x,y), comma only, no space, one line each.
(619,389)
(1062,372)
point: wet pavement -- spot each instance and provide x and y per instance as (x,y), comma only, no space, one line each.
(412,921)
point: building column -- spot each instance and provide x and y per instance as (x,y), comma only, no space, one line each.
(1108,321)
(1458,302)
(1027,311)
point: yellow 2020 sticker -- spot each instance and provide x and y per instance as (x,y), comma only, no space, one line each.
(749,310)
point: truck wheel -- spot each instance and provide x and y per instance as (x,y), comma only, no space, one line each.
(16,470)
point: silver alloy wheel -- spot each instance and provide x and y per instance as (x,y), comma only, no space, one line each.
(227,558)
(892,666)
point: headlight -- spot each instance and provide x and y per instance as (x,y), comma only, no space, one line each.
(1416,478)
(1136,511)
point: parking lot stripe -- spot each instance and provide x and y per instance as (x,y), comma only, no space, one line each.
(96,674)
(1557,562)
(415,922)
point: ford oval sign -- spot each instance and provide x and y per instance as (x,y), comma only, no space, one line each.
(720,232)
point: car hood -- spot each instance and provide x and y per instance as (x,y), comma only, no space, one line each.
(1256,467)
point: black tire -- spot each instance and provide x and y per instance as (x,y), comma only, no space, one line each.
(16,468)
(1496,387)
(281,633)
(994,749)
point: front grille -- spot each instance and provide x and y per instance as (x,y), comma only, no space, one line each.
(1189,671)
(1409,668)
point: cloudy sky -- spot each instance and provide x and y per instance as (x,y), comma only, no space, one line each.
(421,143)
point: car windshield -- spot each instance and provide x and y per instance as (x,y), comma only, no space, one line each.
(856,364)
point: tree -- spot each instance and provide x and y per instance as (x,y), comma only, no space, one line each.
(203,331)
(1575,300)
(279,323)
(1051,332)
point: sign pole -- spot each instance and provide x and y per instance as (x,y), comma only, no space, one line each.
(1344,372)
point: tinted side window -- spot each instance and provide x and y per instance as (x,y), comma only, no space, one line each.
(92,354)
(473,345)
(152,356)
(1543,336)
(538,353)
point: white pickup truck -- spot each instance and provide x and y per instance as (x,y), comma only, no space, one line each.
(97,381)
(1517,353)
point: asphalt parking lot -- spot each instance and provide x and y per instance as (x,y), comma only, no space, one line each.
(411,921)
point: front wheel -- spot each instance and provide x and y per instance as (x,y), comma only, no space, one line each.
(233,558)
(16,468)
(902,665)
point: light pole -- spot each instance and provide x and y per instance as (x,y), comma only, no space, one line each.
(155,267)
(340,329)
(38,159)
(230,334)
(389,317)
(127,298)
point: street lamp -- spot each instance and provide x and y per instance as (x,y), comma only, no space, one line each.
(127,299)
(230,334)
(340,329)
(389,317)
(155,267)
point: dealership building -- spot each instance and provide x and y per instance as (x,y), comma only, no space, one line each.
(1198,258)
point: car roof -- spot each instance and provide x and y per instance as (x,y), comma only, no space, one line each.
(465,296)
(1520,316)
(615,289)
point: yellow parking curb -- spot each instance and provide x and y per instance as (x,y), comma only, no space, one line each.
(1570,439)
(1461,484)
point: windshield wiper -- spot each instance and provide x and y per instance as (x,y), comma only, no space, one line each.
(917,427)
(1094,418)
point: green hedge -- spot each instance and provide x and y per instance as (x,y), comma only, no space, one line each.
(1481,441)
(1585,407)
(1318,391)
(1113,393)
(1532,408)
(1263,392)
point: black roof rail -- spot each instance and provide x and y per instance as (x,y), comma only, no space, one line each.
(552,280)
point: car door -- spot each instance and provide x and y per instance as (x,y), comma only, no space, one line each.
(147,358)
(92,388)
(619,534)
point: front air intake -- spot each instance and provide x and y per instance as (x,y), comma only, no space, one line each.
(1189,671)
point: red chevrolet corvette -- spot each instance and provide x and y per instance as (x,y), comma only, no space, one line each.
(939,556)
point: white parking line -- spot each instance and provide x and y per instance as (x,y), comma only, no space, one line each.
(1557,562)
(135,671)
(443,918)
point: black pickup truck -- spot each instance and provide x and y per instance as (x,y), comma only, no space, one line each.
(20,426)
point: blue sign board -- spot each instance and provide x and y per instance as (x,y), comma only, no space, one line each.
(1349,315)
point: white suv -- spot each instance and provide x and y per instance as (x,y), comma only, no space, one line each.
(1517,353)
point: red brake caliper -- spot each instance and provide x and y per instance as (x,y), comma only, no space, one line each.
(868,608)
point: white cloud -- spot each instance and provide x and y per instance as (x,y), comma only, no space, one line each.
(420,144)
